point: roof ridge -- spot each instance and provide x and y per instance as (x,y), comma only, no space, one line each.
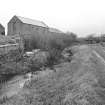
(55,30)
(27,18)
(31,21)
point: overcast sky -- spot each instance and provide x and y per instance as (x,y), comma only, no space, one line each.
(79,16)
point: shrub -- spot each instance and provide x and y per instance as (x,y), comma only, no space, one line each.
(54,57)
(14,55)
(38,60)
(33,65)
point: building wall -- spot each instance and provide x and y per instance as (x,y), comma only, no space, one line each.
(15,26)
(2,30)
(34,33)
(27,31)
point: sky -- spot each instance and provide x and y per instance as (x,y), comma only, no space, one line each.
(82,17)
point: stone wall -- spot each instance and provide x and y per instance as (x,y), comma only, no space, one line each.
(6,48)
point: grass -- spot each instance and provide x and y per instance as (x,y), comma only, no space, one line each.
(80,82)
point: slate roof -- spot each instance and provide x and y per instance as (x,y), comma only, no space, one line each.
(55,30)
(31,21)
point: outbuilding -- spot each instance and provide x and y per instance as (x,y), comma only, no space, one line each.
(23,26)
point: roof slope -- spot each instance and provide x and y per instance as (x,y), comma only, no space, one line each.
(1,26)
(55,30)
(32,21)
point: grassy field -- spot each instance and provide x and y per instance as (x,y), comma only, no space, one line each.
(79,82)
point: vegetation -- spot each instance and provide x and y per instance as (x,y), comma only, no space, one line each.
(11,64)
(80,82)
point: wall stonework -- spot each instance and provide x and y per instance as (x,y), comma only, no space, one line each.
(4,49)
